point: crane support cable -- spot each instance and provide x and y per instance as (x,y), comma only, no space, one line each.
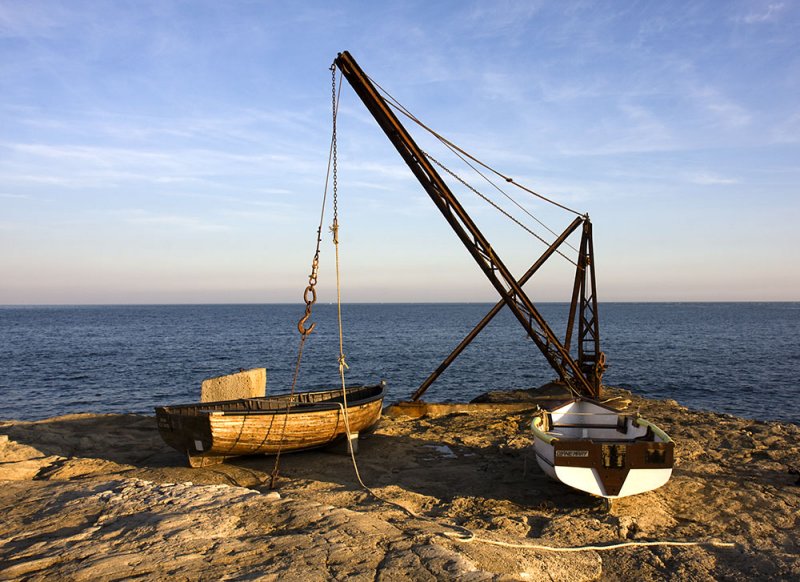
(394,102)
(503,192)
(494,204)
(465,157)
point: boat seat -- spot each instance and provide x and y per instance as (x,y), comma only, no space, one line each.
(578,425)
(621,425)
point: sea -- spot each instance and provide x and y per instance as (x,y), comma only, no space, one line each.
(741,359)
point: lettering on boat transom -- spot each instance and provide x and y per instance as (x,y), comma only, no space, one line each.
(563,453)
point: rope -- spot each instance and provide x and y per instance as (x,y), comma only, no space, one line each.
(462,155)
(274,476)
(395,103)
(335,231)
(494,204)
(473,538)
(503,192)
(342,361)
(352,452)
(310,294)
(386,501)
(464,535)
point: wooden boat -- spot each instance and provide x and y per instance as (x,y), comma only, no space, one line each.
(594,448)
(210,432)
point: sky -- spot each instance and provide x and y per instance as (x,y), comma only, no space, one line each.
(176,151)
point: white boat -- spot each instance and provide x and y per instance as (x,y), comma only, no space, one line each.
(597,449)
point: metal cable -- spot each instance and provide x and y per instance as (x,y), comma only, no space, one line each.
(394,102)
(504,193)
(492,203)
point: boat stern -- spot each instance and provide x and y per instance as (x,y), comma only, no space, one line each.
(596,450)
(613,470)
(185,433)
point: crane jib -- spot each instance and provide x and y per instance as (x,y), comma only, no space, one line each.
(582,376)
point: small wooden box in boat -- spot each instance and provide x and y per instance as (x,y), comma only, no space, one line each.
(210,432)
(599,450)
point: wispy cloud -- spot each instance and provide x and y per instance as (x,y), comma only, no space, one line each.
(724,110)
(269,214)
(97,156)
(502,86)
(506,17)
(172,221)
(101,166)
(709,179)
(768,14)
(632,129)
(28,19)
(228,199)
(787,130)
(155,121)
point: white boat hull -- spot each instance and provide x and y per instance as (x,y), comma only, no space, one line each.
(601,451)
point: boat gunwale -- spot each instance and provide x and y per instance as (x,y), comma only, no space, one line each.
(548,438)
(199,409)
(656,430)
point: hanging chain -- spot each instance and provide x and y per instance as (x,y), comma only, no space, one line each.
(334,154)
(335,231)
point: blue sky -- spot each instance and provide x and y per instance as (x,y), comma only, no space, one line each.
(175,151)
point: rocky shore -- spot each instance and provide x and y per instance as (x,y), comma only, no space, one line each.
(453,496)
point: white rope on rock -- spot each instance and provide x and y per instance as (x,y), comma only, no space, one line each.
(474,538)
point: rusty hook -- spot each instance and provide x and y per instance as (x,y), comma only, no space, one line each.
(301,325)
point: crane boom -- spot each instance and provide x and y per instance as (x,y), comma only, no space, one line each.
(509,289)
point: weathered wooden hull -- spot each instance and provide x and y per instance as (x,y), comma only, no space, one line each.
(596,449)
(210,432)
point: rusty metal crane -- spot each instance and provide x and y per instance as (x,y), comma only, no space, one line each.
(582,375)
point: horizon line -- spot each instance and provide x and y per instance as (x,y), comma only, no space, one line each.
(300,303)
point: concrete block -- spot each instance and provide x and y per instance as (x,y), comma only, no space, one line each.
(244,384)
(344,445)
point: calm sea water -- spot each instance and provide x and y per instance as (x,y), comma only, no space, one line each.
(738,358)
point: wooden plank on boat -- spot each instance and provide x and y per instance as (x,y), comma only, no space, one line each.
(418,409)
